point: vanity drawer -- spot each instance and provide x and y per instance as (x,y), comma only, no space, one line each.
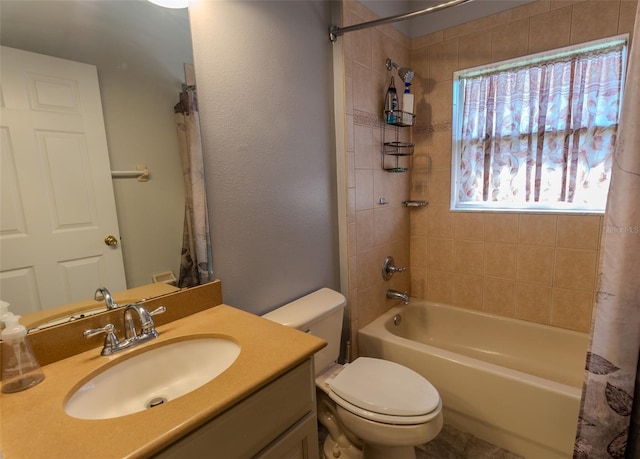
(253,424)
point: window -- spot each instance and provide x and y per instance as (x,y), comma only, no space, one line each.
(538,133)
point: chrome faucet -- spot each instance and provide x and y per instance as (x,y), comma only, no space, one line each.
(147,329)
(103,293)
(131,337)
(396,295)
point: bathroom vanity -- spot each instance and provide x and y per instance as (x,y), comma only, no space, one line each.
(277,421)
(263,405)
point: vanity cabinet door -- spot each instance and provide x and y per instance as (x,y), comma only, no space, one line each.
(300,442)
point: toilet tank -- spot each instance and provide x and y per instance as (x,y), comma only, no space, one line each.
(319,314)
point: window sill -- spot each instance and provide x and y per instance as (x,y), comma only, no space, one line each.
(484,207)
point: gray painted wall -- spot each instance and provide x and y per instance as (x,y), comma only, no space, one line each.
(264,77)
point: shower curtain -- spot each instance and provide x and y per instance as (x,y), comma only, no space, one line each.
(195,266)
(609,422)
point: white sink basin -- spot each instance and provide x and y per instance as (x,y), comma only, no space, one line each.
(152,378)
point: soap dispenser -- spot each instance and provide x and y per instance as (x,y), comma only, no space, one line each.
(20,369)
(4,311)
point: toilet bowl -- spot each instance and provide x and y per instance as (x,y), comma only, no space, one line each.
(387,406)
(372,408)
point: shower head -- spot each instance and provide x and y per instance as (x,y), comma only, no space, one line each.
(403,72)
(406,74)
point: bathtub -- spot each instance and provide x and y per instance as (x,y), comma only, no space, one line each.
(512,383)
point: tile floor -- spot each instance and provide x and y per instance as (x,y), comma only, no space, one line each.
(451,444)
(454,444)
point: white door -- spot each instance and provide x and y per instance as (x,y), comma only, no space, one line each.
(57,196)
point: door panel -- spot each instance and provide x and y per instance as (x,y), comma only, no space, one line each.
(57,194)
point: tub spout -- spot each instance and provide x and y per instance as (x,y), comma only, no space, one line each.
(396,295)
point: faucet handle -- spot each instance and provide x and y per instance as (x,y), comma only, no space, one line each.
(111,342)
(158,310)
(109,328)
(149,328)
(146,322)
(389,269)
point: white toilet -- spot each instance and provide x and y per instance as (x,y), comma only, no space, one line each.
(372,408)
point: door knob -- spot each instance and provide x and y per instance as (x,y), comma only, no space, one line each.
(111,241)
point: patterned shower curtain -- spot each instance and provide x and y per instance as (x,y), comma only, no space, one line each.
(609,422)
(195,266)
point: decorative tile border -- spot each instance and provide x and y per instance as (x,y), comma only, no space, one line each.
(426,128)
(363,118)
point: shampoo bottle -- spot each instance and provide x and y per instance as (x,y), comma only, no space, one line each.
(20,369)
(407,106)
(391,103)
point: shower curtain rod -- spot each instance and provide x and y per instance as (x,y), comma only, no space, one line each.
(335,31)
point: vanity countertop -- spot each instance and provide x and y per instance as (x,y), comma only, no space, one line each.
(34,423)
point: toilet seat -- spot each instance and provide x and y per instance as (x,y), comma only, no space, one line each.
(385,418)
(384,391)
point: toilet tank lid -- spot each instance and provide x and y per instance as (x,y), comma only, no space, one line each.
(305,311)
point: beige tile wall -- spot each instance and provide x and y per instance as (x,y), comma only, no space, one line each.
(540,268)
(533,267)
(375,230)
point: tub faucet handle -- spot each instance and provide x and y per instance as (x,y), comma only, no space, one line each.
(389,268)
